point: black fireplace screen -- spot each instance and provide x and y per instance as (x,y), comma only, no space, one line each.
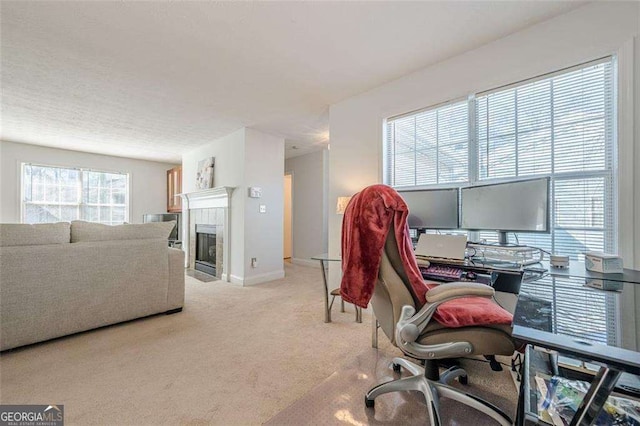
(206,249)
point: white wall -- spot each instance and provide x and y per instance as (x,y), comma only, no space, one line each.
(228,171)
(264,168)
(590,32)
(309,205)
(242,159)
(148,179)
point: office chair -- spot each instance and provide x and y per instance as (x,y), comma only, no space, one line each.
(417,334)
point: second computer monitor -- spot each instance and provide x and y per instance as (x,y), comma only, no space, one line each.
(432,208)
(516,206)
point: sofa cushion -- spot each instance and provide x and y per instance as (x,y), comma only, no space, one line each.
(88,231)
(22,234)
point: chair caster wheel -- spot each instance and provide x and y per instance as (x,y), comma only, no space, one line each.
(369,403)
(464,380)
(397,368)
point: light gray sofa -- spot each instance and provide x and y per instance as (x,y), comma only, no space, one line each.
(58,279)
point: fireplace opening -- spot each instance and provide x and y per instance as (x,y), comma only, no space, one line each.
(206,249)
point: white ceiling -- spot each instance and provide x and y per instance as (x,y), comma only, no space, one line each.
(152,80)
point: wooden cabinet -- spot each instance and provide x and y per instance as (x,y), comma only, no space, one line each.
(174,187)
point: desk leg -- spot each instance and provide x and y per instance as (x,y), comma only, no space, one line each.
(327,312)
(601,387)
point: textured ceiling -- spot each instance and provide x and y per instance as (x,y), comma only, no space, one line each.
(155,79)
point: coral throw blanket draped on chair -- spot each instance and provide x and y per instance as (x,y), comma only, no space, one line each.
(365,226)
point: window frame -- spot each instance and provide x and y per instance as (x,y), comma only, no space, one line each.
(614,216)
(609,175)
(21,193)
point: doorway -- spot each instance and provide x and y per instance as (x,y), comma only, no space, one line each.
(288,217)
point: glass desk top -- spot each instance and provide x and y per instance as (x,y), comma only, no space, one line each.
(326,258)
(569,311)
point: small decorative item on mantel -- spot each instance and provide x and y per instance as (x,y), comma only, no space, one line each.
(204,176)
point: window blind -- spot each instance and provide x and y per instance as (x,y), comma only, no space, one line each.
(559,125)
(429,147)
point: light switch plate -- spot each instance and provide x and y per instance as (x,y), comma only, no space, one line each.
(255,192)
(263,208)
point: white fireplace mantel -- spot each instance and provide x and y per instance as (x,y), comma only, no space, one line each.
(219,197)
(208,198)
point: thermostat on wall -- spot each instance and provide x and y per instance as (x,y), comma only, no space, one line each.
(255,192)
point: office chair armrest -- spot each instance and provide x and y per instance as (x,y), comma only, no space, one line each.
(412,324)
(449,291)
(439,295)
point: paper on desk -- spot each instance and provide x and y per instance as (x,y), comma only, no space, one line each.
(546,411)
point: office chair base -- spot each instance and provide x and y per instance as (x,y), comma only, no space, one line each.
(433,390)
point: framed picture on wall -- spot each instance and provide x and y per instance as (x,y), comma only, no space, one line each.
(204,176)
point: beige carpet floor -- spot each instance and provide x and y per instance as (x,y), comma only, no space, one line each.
(234,356)
(339,400)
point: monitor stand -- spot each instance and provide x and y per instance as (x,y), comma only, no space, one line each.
(503,239)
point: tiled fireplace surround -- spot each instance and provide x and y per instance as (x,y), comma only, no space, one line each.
(210,216)
(208,207)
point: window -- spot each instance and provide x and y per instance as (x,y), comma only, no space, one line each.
(54,194)
(559,125)
(429,147)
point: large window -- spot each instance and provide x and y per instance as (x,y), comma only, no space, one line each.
(54,194)
(559,125)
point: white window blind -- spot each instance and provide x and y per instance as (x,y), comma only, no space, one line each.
(559,125)
(429,147)
(54,194)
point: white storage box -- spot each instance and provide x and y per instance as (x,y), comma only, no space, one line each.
(603,263)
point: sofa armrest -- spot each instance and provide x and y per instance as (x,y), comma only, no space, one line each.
(175,293)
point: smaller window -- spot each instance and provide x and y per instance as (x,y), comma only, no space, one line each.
(57,194)
(429,147)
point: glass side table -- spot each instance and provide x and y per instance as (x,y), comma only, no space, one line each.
(324,265)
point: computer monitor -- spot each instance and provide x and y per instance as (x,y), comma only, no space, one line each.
(166,217)
(432,208)
(517,206)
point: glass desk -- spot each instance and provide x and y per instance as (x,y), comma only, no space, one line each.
(567,312)
(324,264)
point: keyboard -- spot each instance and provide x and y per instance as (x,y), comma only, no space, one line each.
(441,273)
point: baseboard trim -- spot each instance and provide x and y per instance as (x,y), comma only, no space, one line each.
(306,262)
(258,279)
(234,279)
(263,278)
